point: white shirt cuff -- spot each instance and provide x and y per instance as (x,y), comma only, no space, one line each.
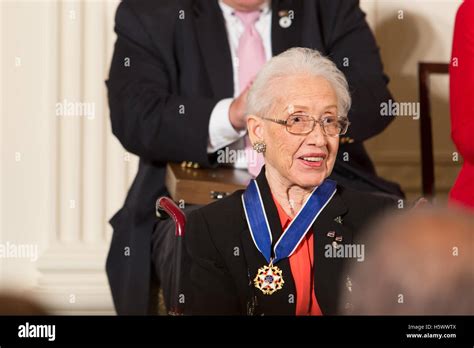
(221,131)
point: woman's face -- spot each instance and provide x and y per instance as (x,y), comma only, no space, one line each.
(302,160)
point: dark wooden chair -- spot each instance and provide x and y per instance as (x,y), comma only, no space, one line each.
(426,134)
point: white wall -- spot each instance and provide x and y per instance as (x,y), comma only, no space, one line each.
(72,174)
(62,177)
(423,33)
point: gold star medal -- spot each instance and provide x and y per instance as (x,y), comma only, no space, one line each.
(269,279)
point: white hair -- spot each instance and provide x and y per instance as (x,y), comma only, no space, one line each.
(296,61)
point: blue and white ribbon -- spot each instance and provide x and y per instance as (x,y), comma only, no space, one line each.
(296,230)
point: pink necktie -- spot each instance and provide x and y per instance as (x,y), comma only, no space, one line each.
(251,55)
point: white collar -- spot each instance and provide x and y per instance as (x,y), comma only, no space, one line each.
(229,11)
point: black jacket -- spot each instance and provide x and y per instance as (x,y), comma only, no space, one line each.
(168,73)
(224,259)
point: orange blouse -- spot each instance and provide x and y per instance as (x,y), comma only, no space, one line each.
(301,263)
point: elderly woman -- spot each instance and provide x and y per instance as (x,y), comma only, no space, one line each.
(273,249)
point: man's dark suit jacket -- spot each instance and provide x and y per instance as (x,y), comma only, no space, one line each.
(224,259)
(168,73)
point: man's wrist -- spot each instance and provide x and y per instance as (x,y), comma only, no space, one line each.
(234,119)
(221,130)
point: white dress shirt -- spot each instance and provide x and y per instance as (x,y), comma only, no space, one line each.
(221,131)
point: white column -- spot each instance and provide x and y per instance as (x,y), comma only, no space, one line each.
(116,159)
(2,110)
(93,144)
(69,146)
(29,80)
(72,269)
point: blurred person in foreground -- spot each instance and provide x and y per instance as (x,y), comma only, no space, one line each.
(14,304)
(270,250)
(419,262)
(461,74)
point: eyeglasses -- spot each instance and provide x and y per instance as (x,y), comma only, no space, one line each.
(301,123)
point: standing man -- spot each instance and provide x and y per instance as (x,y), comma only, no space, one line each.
(177,92)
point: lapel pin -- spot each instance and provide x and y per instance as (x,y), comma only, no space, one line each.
(335,245)
(285,20)
(339,239)
(331,234)
(338,220)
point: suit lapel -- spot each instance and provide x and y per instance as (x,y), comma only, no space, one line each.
(312,36)
(283,37)
(328,272)
(214,46)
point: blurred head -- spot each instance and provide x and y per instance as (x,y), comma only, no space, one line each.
(14,304)
(296,87)
(244,5)
(416,263)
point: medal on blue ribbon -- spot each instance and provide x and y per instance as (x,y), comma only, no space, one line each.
(269,278)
